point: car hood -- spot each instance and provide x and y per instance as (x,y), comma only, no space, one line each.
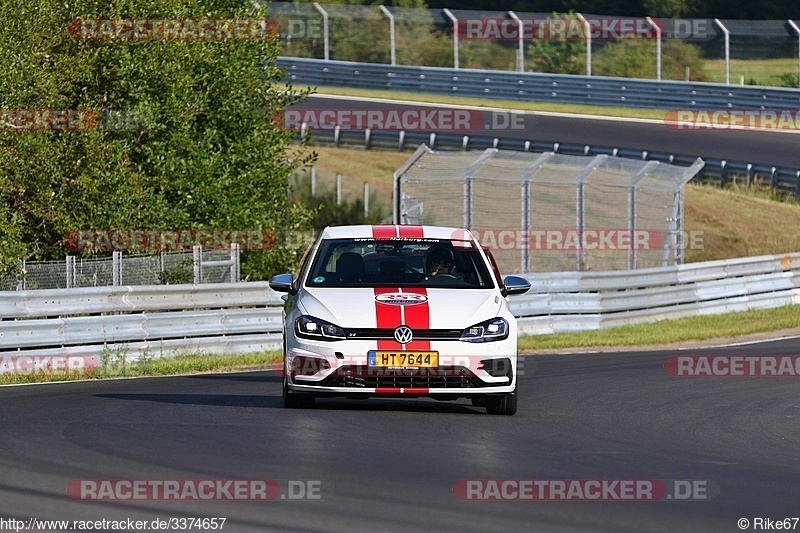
(427,309)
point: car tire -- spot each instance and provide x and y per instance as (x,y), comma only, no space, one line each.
(502,405)
(296,401)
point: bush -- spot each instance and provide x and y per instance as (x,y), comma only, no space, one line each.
(636,58)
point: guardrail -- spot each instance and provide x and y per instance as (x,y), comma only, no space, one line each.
(577,301)
(142,321)
(90,324)
(560,88)
(717,171)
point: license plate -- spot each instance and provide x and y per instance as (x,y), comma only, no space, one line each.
(390,359)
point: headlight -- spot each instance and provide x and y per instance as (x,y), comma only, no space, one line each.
(495,329)
(309,327)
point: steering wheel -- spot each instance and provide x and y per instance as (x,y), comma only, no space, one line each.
(444,276)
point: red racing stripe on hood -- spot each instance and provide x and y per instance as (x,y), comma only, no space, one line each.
(389,316)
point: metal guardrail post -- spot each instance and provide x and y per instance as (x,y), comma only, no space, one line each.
(727,34)
(797,31)
(657,29)
(520,43)
(338,189)
(455,36)
(797,186)
(588,29)
(391,33)
(326,31)
(366,199)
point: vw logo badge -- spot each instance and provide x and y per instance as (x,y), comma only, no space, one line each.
(403,334)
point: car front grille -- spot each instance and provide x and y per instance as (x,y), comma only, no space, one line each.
(419,334)
(432,378)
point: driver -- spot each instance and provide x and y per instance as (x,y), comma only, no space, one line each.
(438,260)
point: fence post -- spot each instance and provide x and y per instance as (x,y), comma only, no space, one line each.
(366,199)
(580,208)
(22,284)
(326,37)
(727,34)
(797,30)
(469,173)
(520,43)
(313,181)
(116,268)
(338,189)
(391,33)
(657,29)
(455,36)
(71,277)
(197,263)
(235,264)
(587,28)
(631,226)
(526,226)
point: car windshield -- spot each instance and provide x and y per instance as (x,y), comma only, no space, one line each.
(368,262)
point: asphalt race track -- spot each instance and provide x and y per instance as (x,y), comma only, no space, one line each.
(753,146)
(391,465)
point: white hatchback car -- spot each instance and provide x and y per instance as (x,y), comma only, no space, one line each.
(398,310)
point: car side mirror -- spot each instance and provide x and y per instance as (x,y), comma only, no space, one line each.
(283,283)
(515,285)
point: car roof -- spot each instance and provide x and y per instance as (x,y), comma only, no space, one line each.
(391,231)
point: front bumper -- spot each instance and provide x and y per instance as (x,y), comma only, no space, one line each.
(455,377)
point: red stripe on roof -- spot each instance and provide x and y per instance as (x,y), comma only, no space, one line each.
(411,232)
(384,231)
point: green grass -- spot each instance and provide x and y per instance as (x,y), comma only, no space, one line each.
(755,71)
(605,111)
(114,366)
(697,328)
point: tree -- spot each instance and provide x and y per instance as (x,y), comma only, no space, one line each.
(197,148)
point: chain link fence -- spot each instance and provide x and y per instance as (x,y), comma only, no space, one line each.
(196,266)
(566,43)
(548,212)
